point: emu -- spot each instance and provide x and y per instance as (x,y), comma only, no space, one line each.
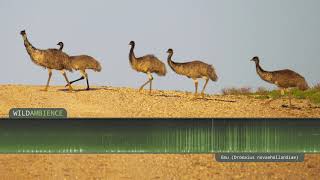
(284,79)
(81,63)
(194,70)
(147,64)
(49,59)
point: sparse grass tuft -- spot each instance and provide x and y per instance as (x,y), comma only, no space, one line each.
(317,86)
(262,91)
(236,91)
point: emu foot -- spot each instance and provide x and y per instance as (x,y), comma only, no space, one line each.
(195,97)
(290,106)
(202,95)
(70,88)
(285,106)
(87,89)
(45,89)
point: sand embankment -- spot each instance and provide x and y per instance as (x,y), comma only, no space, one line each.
(128,102)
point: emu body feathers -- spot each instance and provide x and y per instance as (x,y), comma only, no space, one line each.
(194,70)
(147,64)
(50,59)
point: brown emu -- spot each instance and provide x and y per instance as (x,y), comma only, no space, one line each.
(284,79)
(49,58)
(81,63)
(194,70)
(147,64)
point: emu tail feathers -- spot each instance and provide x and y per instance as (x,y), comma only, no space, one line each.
(162,71)
(303,85)
(98,67)
(212,73)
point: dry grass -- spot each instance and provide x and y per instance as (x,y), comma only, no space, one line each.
(316,87)
(236,91)
(262,91)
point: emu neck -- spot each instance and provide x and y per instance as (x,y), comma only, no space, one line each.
(265,75)
(30,49)
(132,57)
(170,62)
(28,45)
(61,47)
(259,68)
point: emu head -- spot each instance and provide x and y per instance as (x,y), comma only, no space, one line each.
(170,51)
(131,43)
(23,32)
(61,45)
(255,59)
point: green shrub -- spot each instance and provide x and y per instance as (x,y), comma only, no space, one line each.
(313,94)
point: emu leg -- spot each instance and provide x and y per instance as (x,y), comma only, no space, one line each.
(50,74)
(144,85)
(150,87)
(87,83)
(282,91)
(75,81)
(150,79)
(65,76)
(196,87)
(85,75)
(290,96)
(204,87)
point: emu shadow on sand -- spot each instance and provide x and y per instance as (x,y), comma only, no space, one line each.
(49,59)
(284,79)
(147,64)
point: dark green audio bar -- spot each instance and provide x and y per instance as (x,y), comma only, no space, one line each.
(159,135)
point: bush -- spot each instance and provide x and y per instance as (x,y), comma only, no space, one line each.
(313,94)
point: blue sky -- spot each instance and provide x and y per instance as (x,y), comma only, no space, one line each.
(227,34)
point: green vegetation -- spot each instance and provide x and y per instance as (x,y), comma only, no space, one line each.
(312,94)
